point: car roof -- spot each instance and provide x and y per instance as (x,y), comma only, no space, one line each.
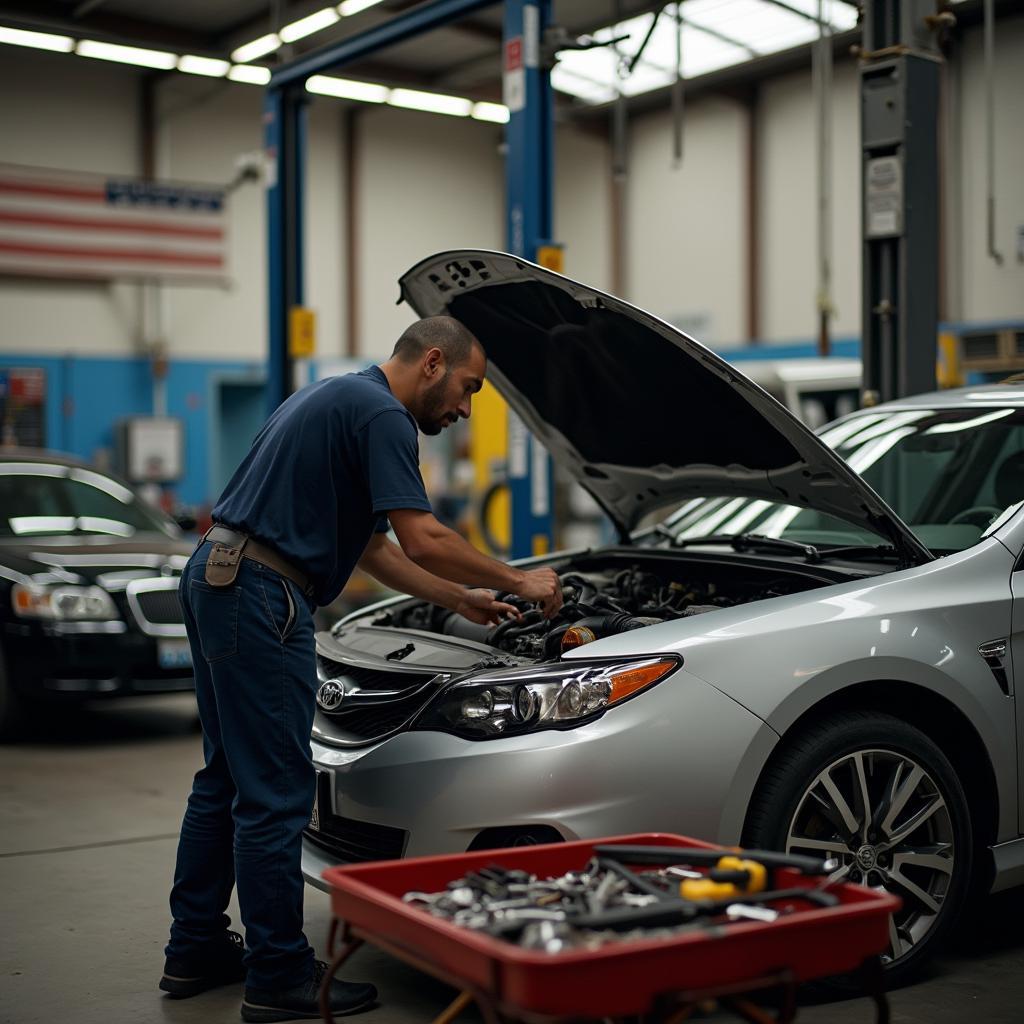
(1005,393)
(41,455)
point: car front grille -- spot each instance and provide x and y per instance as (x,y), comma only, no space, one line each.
(376,703)
(155,606)
(350,841)
(161,606)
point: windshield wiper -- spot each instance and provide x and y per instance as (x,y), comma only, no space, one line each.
(852,551)
(752,542)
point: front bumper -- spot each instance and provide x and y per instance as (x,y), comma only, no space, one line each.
(58,661)
(676,758)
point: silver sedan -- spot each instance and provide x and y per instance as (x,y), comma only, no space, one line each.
(813,649)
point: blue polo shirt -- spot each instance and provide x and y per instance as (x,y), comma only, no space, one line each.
(322,474)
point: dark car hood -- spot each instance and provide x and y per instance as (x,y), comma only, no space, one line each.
(639,413)
(86,559)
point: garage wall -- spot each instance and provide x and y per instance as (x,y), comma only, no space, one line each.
(684,239)
(425,183)
(787,183)
(990,291)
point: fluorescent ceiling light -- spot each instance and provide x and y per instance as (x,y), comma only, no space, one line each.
(307,26)
(126,54)
(432,102)
(355,6)
(257,48)
(250,74)
(496,112)
(194,65)
(39,40)
(348,89)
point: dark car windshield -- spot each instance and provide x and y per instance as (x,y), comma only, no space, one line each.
(947,473)
(38,499)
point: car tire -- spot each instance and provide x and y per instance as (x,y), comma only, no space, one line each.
(915,841)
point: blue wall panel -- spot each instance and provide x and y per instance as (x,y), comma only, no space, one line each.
(87,395)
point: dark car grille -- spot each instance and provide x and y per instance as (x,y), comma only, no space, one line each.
(161,607)
(350,841)
(363,717)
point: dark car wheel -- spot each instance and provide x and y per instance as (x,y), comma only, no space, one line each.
(881,797)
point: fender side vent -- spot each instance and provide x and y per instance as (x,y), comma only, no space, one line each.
(994,655)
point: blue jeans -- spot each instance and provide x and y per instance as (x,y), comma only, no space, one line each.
(255,671)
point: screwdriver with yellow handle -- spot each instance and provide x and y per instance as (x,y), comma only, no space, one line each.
(733,876)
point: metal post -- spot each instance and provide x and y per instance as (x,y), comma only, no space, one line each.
(529,176)
(284,116)
(900,199)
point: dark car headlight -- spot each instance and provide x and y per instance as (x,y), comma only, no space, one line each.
(61,603)
(510,702)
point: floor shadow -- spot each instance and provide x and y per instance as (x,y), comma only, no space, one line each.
(124,720)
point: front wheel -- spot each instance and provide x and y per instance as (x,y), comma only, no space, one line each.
(880,797)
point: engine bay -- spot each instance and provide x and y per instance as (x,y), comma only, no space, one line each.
(610,595)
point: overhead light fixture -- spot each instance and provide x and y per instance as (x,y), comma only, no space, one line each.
(158,59)
(432,102)
(193,65)
(348,7)
(496,112)
(307,26)
(249,74)
(348,89)
(38,40)
(257,48)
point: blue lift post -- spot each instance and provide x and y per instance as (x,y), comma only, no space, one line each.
(529,199)
(529,188)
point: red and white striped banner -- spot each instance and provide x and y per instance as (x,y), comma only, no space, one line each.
(63,224)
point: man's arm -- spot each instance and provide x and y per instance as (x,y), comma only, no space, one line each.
(387,563)
(442,552)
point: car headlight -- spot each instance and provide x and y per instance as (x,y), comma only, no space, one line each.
(35,601)
(509,702)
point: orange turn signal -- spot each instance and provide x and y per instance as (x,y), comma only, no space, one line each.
(637,677)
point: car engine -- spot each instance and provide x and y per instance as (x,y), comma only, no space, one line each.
(597,604)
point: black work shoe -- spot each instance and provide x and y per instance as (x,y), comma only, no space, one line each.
(220,964)
(302,1002)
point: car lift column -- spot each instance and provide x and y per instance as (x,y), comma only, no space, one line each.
(899,93)
(529,171)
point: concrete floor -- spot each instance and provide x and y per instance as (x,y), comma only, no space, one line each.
(89,811)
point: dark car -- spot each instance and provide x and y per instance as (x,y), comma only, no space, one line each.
(88,588)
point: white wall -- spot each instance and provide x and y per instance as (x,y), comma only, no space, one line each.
(990,291)
(787,164)
(583,205)
(424,183)
(684,240)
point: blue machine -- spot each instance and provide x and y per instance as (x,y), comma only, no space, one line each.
(529,173)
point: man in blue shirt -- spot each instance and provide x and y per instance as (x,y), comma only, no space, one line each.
(333,466)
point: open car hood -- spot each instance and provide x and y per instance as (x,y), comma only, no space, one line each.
(639,413)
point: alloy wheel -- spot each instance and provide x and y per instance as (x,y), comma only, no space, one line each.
(882,816)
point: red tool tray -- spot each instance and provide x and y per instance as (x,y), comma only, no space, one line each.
(618,979)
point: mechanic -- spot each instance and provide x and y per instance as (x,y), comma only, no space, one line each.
(330,470)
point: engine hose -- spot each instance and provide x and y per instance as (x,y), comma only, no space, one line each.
(514,627)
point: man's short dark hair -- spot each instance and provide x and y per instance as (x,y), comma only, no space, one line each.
(444,332)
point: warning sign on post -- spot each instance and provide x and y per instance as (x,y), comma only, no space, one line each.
(514,78)
(883,197)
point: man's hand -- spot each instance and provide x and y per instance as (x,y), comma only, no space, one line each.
(542,586)
(480,606)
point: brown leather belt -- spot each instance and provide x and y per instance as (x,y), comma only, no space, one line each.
(230,546)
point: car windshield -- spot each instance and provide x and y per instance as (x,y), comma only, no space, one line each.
(37,499)
(947,473)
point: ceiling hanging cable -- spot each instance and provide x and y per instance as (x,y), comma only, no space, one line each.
(821,79)
(678,94)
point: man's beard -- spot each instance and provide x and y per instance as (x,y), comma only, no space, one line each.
(431,415)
